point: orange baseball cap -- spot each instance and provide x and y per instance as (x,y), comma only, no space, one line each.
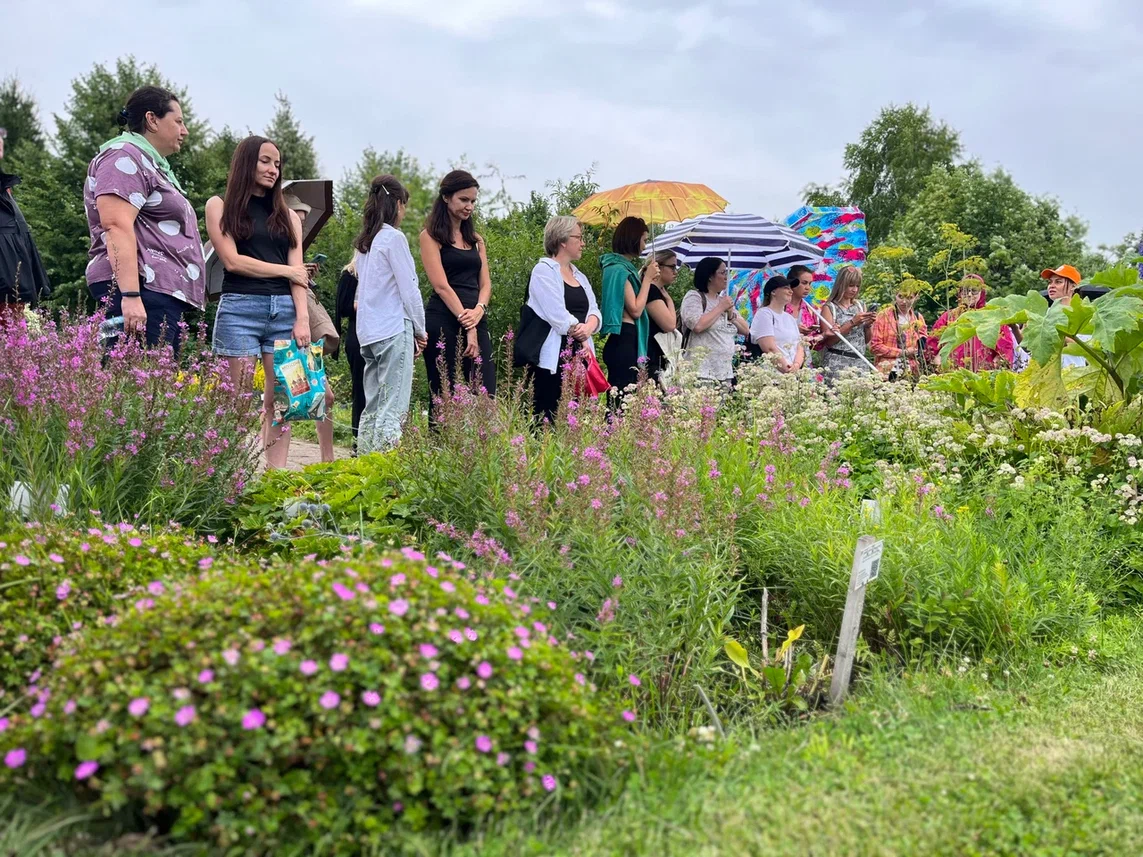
(1065,271)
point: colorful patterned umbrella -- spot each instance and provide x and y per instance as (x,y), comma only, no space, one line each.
(655,202)
(837,232)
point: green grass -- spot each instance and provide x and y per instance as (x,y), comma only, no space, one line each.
(1042,762)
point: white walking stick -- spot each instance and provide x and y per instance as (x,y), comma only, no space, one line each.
(827,326)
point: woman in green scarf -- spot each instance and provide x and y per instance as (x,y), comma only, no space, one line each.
(624,303)
(146,263)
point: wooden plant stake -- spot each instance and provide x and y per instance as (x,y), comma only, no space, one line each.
(866,567)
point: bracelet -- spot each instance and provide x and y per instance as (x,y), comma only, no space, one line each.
(130,294)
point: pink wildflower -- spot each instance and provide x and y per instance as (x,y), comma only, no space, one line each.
(343,592)
(308,667)
(629,716)
(448,586)
(483,743)
(139,706)
(428,651)
(230,656)
(329,700)
(282,647)
(85,769)
(531,747)
(549,782)
(456,636)
(16,758)
(253,719)
(376,628)
(339,662)
(371,698)
(514,654)
(502,759)
(399,607)
(185,715)
(464,682)
(470,634)
(429,681)
(205,677)
(634,679)
(484,670)
(63,590)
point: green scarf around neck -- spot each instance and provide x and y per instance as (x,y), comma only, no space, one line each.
(144,145)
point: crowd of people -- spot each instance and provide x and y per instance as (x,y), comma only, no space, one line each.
(147,267)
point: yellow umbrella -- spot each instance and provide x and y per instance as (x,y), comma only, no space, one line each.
(655,202)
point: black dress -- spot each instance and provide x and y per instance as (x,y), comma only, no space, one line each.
(546,387)
(654,350)
(462,270)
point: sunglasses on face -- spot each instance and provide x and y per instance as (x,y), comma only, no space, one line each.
(672,267)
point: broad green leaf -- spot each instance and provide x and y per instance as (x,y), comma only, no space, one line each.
(775,678)
(89,748)
(1117,277)
(1116,316)
(1041,386)
(1078,312)
(735,651)
(1042,337)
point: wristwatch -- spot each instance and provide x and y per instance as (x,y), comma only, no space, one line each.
(483,307)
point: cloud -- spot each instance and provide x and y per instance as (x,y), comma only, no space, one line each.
(466,18)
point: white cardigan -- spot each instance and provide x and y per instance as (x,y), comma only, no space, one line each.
(546,298)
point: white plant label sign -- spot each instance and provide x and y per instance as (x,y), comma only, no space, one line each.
(869,564)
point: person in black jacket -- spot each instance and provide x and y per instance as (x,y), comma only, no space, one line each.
(346,309)
(23,280)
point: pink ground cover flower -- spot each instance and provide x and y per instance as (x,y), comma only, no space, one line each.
(253,719)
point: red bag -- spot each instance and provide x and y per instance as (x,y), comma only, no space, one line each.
(591,381)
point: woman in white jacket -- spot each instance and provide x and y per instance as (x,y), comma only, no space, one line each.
(561,296)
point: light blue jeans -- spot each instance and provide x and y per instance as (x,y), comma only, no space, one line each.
(388,383)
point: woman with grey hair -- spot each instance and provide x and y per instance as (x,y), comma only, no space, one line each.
(560,298)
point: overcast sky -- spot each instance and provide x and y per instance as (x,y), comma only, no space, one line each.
(755,99)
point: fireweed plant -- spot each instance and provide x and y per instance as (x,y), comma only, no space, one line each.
(322,702)
(131,434)
(655,528)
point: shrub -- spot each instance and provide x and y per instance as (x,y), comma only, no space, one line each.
(134,433)
(55,583)
(320,702)
(326,506)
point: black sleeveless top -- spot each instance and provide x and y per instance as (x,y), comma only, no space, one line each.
(575,301)
(462,270)
(263,246)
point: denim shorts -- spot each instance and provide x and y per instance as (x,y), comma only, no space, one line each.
(249,325)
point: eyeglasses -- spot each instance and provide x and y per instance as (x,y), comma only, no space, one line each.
(576,237)
(672,267)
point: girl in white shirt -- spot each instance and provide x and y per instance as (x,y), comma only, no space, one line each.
(774,330)
(390,315)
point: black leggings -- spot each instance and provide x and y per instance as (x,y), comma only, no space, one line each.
(445,336)
(356,376)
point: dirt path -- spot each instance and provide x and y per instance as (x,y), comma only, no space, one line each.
(304,453)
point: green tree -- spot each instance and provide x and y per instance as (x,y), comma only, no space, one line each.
(888,166)
(1015,233)
(824,195)
(19,115)
(299,156)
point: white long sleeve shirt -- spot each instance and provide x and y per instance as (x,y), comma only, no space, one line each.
(546,298)
(388,292)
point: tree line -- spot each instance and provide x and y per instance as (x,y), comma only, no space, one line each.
(930,212)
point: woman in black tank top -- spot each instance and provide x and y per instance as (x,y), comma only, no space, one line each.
(259,242)
(454,260)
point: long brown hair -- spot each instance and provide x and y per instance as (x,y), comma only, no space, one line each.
(438,224)
(842,281)
(236,221)
(385,192)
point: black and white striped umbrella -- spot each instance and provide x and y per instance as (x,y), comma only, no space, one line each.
(746,241)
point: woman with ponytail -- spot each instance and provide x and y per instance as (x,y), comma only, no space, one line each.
(457,267)
(146,261)
(390,315)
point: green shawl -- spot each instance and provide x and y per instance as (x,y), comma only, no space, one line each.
(143,144)
(617,272)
